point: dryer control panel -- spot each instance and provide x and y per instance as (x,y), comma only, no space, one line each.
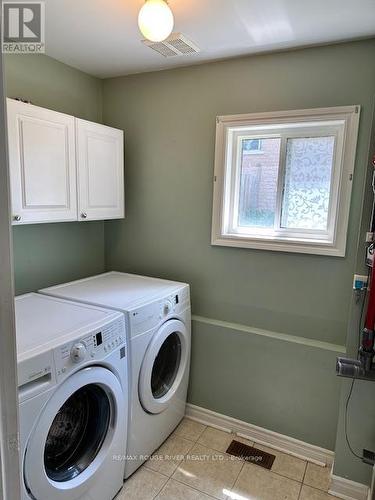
(149,316)
(96,345)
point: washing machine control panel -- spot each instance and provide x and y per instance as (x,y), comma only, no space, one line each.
(94,346)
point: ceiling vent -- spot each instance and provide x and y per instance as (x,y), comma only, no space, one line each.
(175,45)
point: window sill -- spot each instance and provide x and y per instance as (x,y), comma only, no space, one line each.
(281,245)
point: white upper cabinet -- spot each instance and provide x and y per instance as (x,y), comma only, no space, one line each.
(100,160)
(63,168)
(42,164)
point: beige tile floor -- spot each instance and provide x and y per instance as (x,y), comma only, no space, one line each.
(192,465)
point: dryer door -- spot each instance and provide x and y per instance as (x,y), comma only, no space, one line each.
(164,366)
(73,435)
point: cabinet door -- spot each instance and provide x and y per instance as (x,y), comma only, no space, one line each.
(100,152)
(42,164)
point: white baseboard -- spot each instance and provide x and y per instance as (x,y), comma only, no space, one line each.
(280,442)
(348,490)
(371,493)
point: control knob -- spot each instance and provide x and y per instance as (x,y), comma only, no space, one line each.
(78,352)
(167,308)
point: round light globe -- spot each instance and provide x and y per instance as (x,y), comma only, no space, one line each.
(155,20)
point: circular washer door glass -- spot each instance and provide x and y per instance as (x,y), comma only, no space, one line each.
(77,433)
(166,366)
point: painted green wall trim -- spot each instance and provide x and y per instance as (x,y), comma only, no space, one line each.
(169,122)
(278,374)
(281,386)
(338,349)
(47,254)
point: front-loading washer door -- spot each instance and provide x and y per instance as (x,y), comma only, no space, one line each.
(164,366)
(73,434)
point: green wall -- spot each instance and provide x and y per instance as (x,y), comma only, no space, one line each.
(275,384)
(169,123)
(45,254)
(282,378)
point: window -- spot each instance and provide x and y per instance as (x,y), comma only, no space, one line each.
(251,146)
(283,180)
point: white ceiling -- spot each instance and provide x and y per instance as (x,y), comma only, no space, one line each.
(101,37)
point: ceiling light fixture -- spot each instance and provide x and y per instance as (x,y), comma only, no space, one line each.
(155,20)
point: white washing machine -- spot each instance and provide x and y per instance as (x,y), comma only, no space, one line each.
(158,320)
(73,399)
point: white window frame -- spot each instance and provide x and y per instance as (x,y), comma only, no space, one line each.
(340,122)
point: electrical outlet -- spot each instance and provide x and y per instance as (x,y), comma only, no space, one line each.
(360,282)
(370,255)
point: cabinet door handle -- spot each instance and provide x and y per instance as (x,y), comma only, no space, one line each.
(84,215)
(17,218)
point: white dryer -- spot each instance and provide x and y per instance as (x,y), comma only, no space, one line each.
(158,321)
(73,399)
